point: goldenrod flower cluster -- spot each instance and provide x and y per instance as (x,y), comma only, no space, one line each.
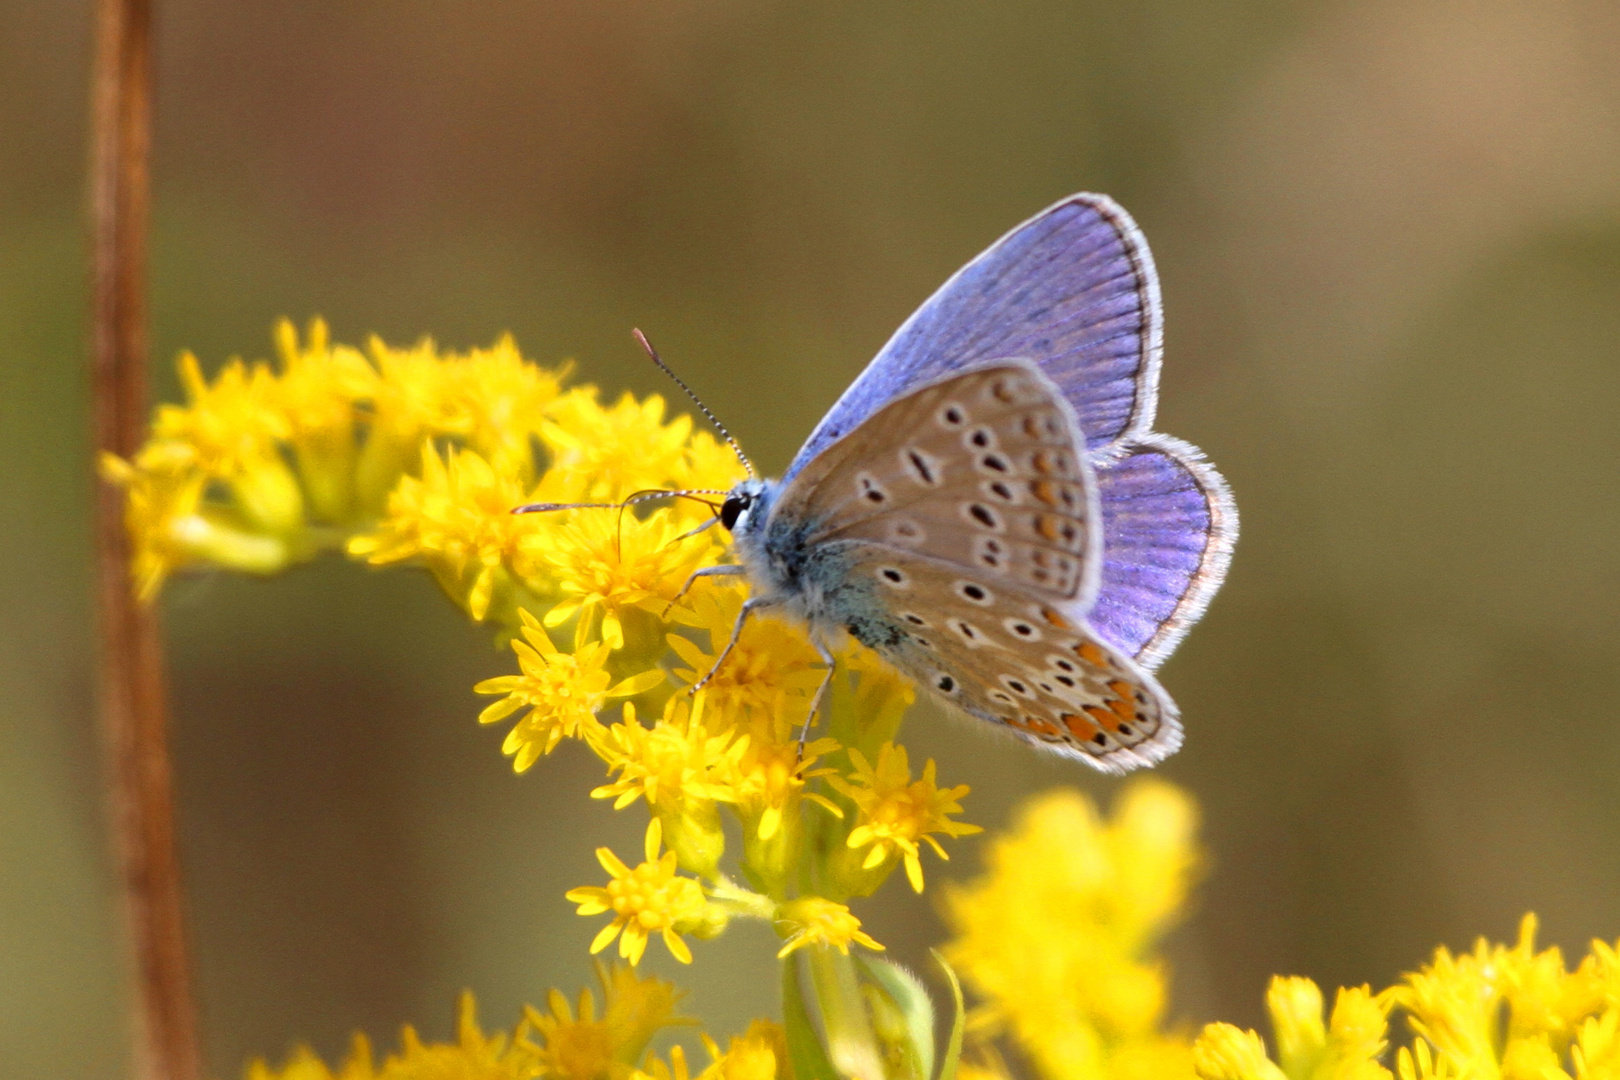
(413,456)
(418,457)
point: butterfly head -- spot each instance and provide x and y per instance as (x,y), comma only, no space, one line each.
(745,505)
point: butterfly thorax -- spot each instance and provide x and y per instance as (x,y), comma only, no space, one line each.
(810,580)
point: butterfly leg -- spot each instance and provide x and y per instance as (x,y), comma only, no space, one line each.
(707,525)
(750,605)
(821,692)
(728,570)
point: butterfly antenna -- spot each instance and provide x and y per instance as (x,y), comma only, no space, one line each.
(652,354)
(638,497)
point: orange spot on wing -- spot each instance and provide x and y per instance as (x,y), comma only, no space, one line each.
(1089,652)
(1049,462)
(1044,490)
(1054,619)
(1039,726)
(1104,718)
(1078,725)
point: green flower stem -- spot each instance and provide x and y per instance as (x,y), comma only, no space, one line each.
(850,1040)
(740,901)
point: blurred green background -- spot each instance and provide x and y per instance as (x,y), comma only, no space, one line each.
(1389,234)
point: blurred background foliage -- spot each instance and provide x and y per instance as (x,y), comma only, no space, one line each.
(1389,233)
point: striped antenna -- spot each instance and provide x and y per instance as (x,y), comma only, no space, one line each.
(718,426)
(639,497)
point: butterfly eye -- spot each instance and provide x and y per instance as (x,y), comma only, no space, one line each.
(732,509)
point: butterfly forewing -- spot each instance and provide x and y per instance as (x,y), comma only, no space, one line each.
(1005,655)
(983,470)
(1073,289)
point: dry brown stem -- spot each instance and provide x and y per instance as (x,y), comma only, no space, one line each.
(132,693)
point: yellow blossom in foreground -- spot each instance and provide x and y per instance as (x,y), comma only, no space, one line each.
(1496,1013)
(563,691)
(650,899)
(1348,1046)
(473,1056)
(760,1053)
(812,920)
(585,1046)
(897,812)
(1225,1052)
(1057,936)
(655,1068)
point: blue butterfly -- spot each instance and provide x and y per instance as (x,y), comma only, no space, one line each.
(988,507)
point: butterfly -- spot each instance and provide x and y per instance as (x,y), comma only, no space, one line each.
(988,507)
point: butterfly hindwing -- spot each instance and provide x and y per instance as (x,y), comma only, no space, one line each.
(1005,655)
(981,469)
(1170,524)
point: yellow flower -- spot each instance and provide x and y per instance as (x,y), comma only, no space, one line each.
(230,425)
(1418,1063)
(416,392)
(473,1056)
(681,770)
(606,562)
(650,899)
(319,391)
(588,1047)
(605,454)
(170,527)
(503,400)
(760,1053)
(415,400)
(304,1064)
(320,383)
(1347,1047)
(673,761)
(767,777)
(896,812)
(766,682)
(232,430)
(457,518)
(1496,1013)
(813,920)
(1224,1052)
(562,691)
(1056,937)
(655,1069)
(1457,1005)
